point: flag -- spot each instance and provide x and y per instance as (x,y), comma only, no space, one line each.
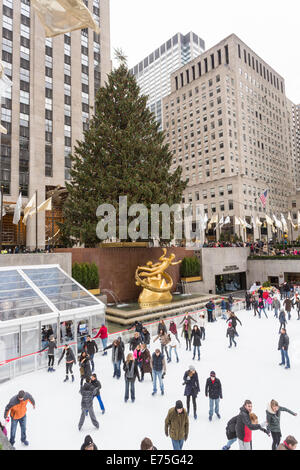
(213,220)
(221,221)
(298,221)
(236,221)
(3,209)
(258,222)
(63,16)
(269,220)
(289,217)
(17,212)
(277,222)
(284,224)
(5,84)
(242,222)
(44,206)
(253,222)
(227,220)
(263,198)
(28,208)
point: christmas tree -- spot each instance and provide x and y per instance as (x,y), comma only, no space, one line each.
(123,154)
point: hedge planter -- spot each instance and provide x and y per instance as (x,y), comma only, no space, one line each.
(191,279)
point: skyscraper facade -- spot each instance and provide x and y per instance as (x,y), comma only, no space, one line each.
(226,122)
(50,102)
(153,72)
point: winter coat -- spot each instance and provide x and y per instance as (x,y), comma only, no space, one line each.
(91,347)
(282,317)
(146,336)
(288,303)
(210,306)
(276,304)
(177,424)
(231,332)
(273,418)
(134,342)
(137,325)
(18,408)
(196,334)
(85,366)
(187,326)
(131,371)
(146,361)
(261,303)
(70,357)
(51,347)
(161,326)
(269,300)
(192,386)
(202,322)
(137,355)
(233,319)
(102,333)
(173,328)
(117,352)
(97,386)
(231,428)
(213,389)
(244,422)
(87,392)
(223,305)
(283,342)
(158,363)
(265,295)
(164,339)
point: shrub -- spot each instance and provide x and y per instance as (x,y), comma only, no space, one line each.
(190,267)
(86,274)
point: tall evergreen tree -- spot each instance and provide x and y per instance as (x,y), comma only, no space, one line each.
(123,154)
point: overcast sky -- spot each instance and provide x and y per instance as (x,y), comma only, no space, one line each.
(270,27)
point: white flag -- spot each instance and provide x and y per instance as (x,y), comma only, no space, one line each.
(63,16)
(242,222)
(258,222)
(277,222)
(253,222)
(5,84)
(289,217)
(3,209)
(17,212)
(28,208)
(227,220)
(221,221)
(284,224)
(236,221)
(213,220)
(44,206)
(268,220)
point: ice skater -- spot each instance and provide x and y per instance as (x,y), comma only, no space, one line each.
(70,360)
(51,346)
(273,413)
(231,333)
(192,388)
(88,392)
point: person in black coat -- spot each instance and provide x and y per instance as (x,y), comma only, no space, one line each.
(231,333)
(192,388)
(117,356)
(162,326)
(91,348)
(234,319)
(85,367)
(97,385)
(213,389)
(88,444)
(70,360)
(131,371)
(146,335)
(196,338)
(283,346)
(135,341)
(282,320)
(87,392)
(244,426)
(138,325)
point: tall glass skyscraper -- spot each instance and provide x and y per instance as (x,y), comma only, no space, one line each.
(153,73)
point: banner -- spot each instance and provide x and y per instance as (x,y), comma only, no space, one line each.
(63,16)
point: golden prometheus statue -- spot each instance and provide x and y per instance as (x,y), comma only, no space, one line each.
(156,282)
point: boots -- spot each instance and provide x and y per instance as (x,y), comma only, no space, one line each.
(66,379)
(73,378)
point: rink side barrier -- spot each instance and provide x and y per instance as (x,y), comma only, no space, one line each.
(40,358)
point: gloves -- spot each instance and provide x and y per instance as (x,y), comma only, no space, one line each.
(7,419)
(266,431)
(163,375)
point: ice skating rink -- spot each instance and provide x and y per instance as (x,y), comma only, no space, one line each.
(250,371)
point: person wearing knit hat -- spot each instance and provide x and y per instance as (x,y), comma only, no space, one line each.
(177,425)
(213,390)
(88,444)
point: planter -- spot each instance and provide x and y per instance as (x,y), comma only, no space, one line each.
(191,279)
(94,291)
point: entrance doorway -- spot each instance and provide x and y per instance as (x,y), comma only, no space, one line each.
(230,282)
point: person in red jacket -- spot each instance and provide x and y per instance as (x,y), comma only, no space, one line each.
(173,329)
(102,334)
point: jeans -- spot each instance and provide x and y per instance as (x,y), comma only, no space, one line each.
(104,344)
(170,352)
(232,340)
(129,386)
(157,374)
(202,330)
(214,402)
(117,369)
(259,312)
(224,314)
(276,312)
(92,362)
(244,445)
(163,348)
(177,445)
(14,424)
(285,358)
(198,350)
(100,402)
(209,316)
(230,442)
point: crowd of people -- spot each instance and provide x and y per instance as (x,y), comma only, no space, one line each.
(140,360)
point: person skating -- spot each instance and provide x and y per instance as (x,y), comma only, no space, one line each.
(248,301)
(88,392)
(276,306)
(147,444)
(102,334)
(164,339)
(290,443)
(255,307)
(177,425)
(231,433)
(131,372)
(283,346)
(138,325)
(162,326)
(173,347)
(137,355)
(230,302)
(117,355)
(187,329)
(146,335)
(233,319)
(135,341)
(210,307)
(91,349)
(202,325)
(196,335)
(146,362)
(88,444)
(261,306)
(97,385)
(70,360)
(192,388)
(173,329)
(84,367)
(288,304)
(158,366)
(17,408)
(51,352)
(223,306)
(213,390)
(297,305)
(231,333)
(244,426)
(273,413)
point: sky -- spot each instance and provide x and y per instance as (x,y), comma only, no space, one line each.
(269,27)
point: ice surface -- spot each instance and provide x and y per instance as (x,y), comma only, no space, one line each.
(250,371)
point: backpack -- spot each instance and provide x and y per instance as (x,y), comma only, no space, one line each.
(230,428)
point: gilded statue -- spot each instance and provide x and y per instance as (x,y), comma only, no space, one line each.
(155,281)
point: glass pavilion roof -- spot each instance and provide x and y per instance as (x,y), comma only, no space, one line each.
(33,290)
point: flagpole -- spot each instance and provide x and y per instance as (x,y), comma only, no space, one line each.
(1,218)
(36,221)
